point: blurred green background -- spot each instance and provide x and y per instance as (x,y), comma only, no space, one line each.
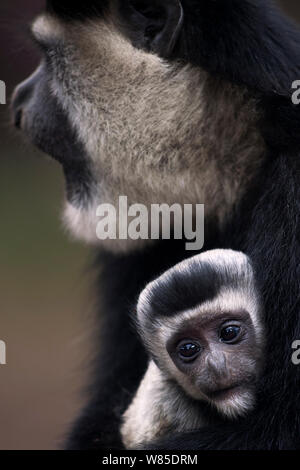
(45,301)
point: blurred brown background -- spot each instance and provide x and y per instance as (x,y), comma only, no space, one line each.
(44,295)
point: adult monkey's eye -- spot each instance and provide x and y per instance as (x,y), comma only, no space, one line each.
(188,350)
(230,333)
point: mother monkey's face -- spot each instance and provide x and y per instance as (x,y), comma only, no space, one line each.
(111,102)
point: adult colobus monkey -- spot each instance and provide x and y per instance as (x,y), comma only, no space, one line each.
(205,360)
(177,101)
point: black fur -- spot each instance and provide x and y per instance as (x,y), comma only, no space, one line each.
(77,9)
(182,290)
(248,42)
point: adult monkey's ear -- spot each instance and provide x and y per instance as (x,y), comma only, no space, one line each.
(154,25)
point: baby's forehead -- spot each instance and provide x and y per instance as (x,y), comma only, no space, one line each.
(198,281)
(214,317)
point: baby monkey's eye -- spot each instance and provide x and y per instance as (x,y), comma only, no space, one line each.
(188,350)
(229,333)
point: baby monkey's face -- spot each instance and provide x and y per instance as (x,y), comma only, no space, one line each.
(201,322)
(216,357)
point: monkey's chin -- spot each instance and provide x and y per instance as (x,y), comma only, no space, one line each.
(81,223)
(234,402)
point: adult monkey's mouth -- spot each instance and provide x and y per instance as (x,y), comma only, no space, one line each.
(37,113)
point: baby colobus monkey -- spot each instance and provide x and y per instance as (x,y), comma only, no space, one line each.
(201,323)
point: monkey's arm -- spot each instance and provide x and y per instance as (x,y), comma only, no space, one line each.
(120,362)
(146,419)
(121,359)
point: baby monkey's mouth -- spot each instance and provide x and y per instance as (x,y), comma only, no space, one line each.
(224,393)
